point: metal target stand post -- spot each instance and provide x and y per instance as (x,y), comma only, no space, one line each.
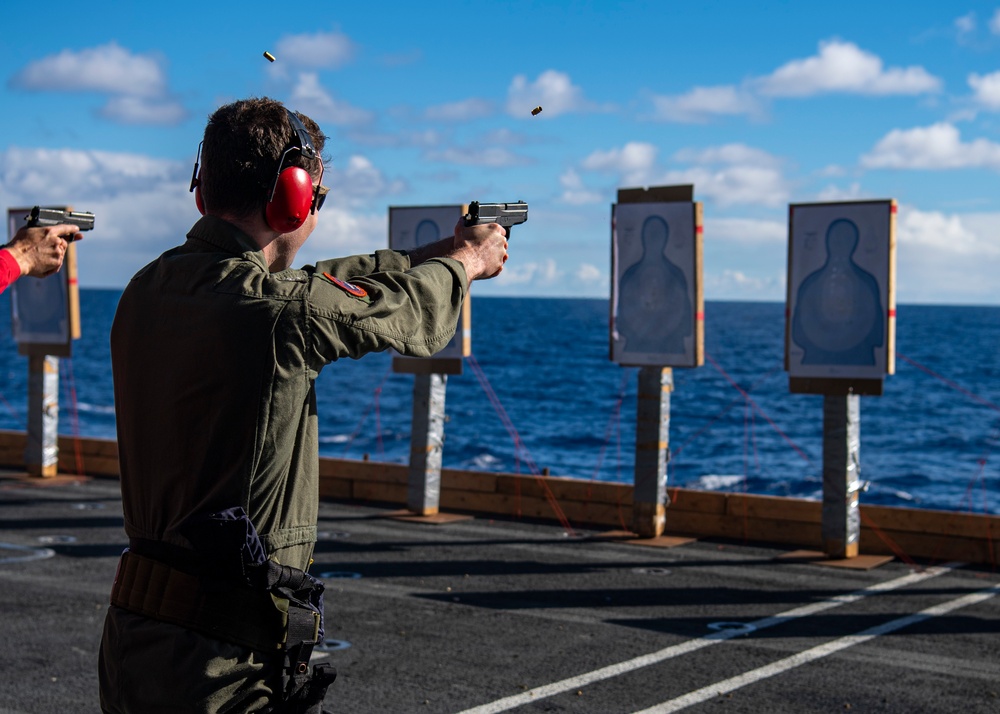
(430,382)
(842,484)
(652,451)
(41,452)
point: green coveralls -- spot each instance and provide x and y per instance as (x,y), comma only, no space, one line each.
(214,359)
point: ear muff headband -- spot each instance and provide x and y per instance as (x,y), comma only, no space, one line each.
(196,181)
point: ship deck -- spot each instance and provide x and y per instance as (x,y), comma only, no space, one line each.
(489,615)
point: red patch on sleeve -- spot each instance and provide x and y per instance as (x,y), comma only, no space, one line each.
(347,287)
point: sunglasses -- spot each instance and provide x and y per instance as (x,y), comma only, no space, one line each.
(321,192)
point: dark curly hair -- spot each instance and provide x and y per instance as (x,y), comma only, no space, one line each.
(244,143)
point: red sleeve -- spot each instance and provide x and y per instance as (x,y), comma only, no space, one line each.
(10,270)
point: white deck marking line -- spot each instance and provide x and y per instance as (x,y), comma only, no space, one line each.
(810,655)
(30,553)
(614,670)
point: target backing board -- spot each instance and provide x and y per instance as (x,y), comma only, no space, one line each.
(841,302)
(412,227)
(657,308)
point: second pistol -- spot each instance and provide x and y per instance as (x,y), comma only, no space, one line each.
(45,217)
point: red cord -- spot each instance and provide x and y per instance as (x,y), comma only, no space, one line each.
(518,443)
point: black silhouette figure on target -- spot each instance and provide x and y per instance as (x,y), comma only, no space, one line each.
(839,319)
(654,305)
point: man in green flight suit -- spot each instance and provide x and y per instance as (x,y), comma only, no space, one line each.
(215,347)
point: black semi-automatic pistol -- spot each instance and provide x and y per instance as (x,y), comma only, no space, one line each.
(46,217)
(507,215)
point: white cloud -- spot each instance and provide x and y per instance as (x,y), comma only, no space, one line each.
(538,274)
(836,193)
(587,273)
(731,185)
(574,191)
(947,257)
(728,154)
(314,51)
(732,174)
(61,176)
(844,67)
(938,146)
(310,98)
(554,91)
(728,174)
(986,89)
(832,170)
(633,162)
(504,136)
(343,232)
(142,110)
(729,284)
(366,136)
(465,110)
(109,69)
(749,231)
(995,23)
(837,67)
(973,234)
(966,24)
(358,181)
(137,83)
(702,104)
(485,156)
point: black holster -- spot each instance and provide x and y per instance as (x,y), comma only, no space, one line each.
(303,689)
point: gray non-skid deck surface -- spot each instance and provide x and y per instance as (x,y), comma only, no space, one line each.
(490,616)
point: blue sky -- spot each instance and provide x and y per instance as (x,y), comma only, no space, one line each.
(757,104)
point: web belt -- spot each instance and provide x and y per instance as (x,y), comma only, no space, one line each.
(218,609)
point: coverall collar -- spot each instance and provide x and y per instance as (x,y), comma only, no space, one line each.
(225,236)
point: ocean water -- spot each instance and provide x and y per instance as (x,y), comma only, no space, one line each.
(540,393)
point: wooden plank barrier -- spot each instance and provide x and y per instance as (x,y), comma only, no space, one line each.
(921,534)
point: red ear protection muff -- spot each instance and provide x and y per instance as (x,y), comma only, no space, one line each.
(291,200)
(292,195)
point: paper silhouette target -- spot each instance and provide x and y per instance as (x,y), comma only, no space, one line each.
(657,310)
(841,295)
(411,227)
